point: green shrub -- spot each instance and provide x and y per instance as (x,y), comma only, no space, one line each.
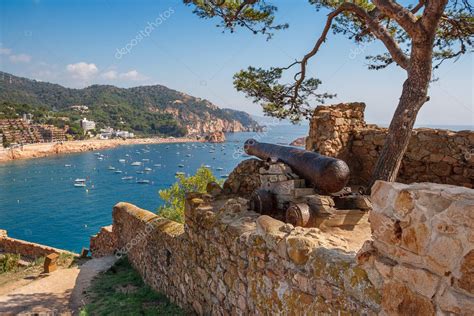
(174,197)
(9,262)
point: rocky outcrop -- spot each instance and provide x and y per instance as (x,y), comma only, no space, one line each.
(433,155)
(299,142)
(215,137)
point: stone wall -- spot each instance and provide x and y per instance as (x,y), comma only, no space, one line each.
(25,248)
(227,260)
(433,155)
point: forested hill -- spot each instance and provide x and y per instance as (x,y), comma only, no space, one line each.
(146,109)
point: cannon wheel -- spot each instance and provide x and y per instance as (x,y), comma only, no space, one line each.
(263,202)
(298,214)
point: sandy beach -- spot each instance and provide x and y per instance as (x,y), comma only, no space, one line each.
(49,149)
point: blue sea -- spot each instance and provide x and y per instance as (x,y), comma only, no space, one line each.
(39,202)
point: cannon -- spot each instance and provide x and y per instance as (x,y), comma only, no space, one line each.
(326,174)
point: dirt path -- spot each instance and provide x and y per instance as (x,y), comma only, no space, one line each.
(61,292)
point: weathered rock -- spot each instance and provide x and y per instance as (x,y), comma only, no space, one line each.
(299,248)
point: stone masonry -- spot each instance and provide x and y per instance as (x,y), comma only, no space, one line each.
(415,259)
(433,155)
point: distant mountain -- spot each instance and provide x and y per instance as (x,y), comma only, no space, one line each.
(146,109)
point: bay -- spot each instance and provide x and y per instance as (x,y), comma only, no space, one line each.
(39,202)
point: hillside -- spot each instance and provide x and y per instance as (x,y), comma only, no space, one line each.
(146,109)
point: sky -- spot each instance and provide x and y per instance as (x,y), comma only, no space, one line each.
(143,42)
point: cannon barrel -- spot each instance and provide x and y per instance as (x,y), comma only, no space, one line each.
(327,174)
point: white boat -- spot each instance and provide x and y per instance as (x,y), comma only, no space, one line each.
(181,165)
(157,165)
(67,165)
(188,155)
(80,183)
(118,171)
(127,178)
(100,158)
(207,166)
(143,181)
(111,168)
(219,169)
(224,176)
(145,160)
(179,173)
(147,169)
(122,160)
(136,163)
(140,172)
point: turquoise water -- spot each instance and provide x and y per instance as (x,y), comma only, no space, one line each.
(39,203)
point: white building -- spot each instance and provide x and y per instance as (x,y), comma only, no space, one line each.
(87,125)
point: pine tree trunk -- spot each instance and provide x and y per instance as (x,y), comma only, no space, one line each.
(414,95)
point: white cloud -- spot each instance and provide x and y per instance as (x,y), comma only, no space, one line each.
(132,75)
(110,75)
(20,58)
(82,70)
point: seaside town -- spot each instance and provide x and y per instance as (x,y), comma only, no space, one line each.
(244,157)
(17,132)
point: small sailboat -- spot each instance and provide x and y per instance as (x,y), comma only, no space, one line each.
(136,163)
(147,169)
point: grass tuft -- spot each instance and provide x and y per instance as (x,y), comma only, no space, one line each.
(121,291)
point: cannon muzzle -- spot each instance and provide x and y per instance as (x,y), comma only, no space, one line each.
(327,174)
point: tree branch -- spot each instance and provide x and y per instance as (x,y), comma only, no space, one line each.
(376,28)
(432,14)
(404,17)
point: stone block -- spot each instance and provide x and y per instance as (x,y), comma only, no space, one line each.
(50,262)
(384,228)
(398,299)
(300,192)
(452,302)
(444,254)
(466,280)
(284,187)
(275,168)
(418,280)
